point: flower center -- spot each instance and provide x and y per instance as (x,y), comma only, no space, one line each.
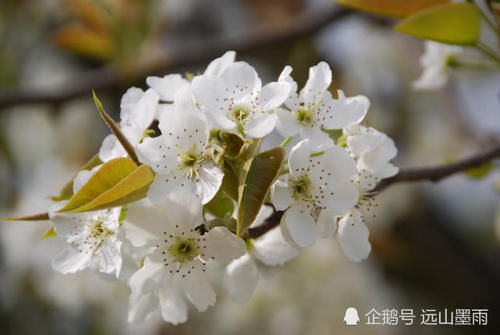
(183,249)
(305,116)
(240,114)
(301,187)
(190,161)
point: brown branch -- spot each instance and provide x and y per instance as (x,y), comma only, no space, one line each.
(440,172)
(189,55)
(433,174)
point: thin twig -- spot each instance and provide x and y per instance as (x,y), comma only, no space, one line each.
(180,59)
(440,172)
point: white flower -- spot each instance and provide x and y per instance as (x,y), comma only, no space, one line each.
(435,63)
(373,152)
(176,266)
(168,86)
(352,236)
(314,109)
(316,188)
(94,238)
(178,156)
(242,274)
(137,113)
(235,100)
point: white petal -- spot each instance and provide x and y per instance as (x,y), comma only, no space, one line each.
(157,154)
(109,256)
(172,305)
(299,157)
(209,182)
(273,95)
(300,227)
(71,260)
(111,148)
(240,79)
(353,236)
(218,65)
(327,224)
(320,77)
(141,306)
(340,195)
(184,208)
(347,111)
(147,278)
(223,246)
(83,177)
(143,224)
(199,292)
(210,94)
(167,86)
(139,113)
(260,127)
(165,185)
(281,196)
(184,129)
(286,124)
(317,138)
(241,278)
(273,249)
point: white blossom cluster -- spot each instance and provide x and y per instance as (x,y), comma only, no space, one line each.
(160,246)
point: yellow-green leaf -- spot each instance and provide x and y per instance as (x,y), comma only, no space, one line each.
(117,182)
(221,205)
(257,177)
(457,23)
(34,217)
(480,171)
(116,130)
(50,233)
(396,8)
(83,41)
(67,191)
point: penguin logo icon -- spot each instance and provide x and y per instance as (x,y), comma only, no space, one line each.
(351,317)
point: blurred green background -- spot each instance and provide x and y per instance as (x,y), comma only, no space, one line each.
(434,245)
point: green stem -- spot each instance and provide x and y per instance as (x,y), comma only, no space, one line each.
(474,65)
(286,141)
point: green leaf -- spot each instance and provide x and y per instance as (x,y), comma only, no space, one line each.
(258,174)
(67,191)
(480,171)
(116,130)
(396,8)
(117,182)
(34,217)
(457,23)
(221,205)
(50,233)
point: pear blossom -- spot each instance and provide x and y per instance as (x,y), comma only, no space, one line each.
(175,266)
(94,238)
(137,112)
(234,100)
(435,63)
(179,155)
(314,109)
(317,187)
(373,152)
(167,87)
(271,249)
(352,236)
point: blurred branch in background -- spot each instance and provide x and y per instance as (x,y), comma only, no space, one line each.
(110,77)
